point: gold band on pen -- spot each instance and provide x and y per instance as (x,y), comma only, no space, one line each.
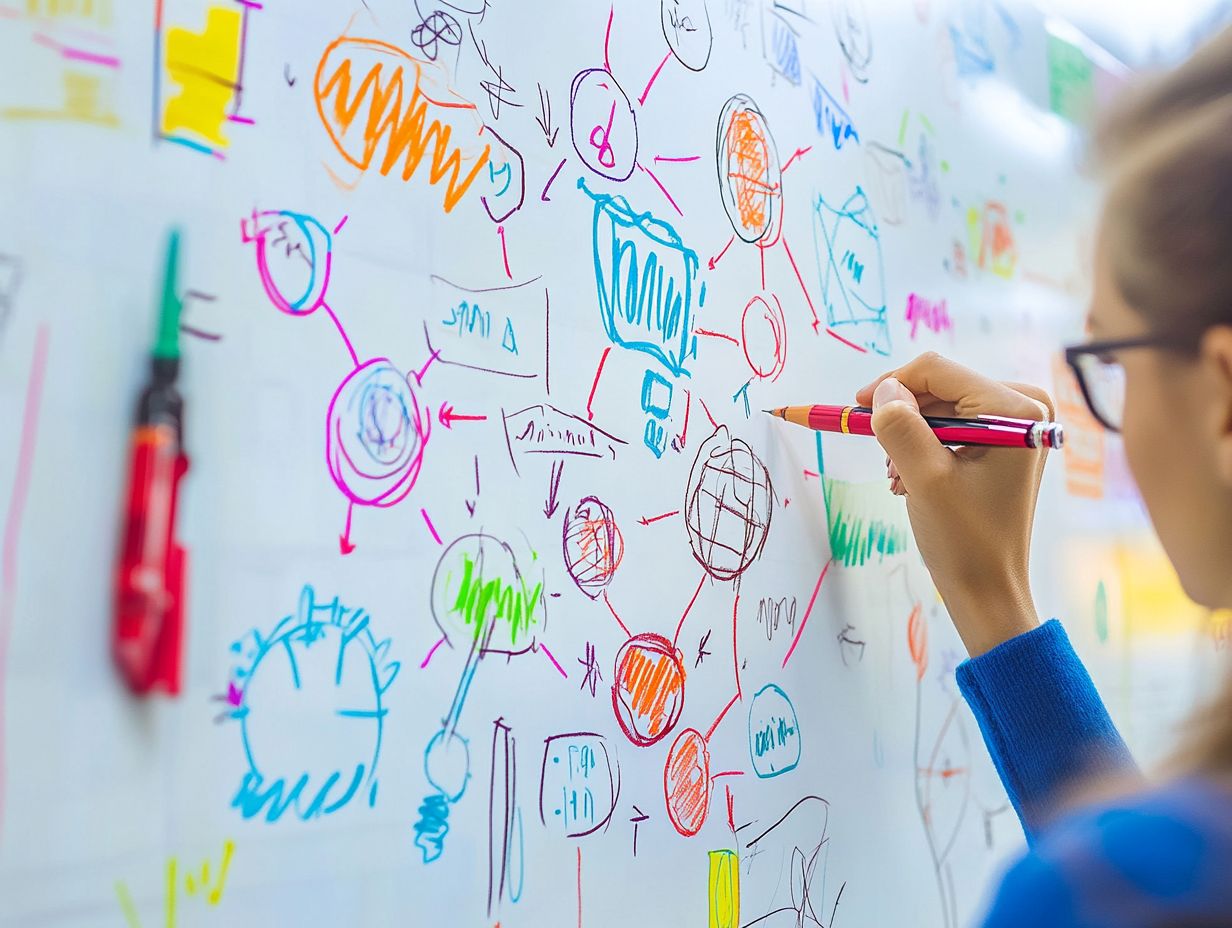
(842,422)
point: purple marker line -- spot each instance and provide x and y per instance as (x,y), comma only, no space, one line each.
(432,651)
(431,527)
(555,663)
(660,158)
(341,223)
(242,120)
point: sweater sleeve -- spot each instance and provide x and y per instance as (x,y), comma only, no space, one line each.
(1042,720)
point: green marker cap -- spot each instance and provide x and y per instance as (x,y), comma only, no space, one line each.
(167,344)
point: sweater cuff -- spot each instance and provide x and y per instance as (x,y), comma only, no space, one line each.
(1041,717)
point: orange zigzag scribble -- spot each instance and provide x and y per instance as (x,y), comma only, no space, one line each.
(409,131)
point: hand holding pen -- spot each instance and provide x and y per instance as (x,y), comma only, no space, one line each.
(971,508)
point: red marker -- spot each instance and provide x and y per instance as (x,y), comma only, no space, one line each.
(149,605)
(995,431)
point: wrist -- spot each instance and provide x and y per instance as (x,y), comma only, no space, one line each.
(988,614)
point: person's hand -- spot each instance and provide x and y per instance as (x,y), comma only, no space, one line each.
(971,508)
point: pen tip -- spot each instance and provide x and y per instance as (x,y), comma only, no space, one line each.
(768,412)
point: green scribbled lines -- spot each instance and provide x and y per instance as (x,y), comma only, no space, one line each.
(862,527)
(482,603)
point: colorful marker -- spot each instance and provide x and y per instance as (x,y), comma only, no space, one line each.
(995,431)
(149,604)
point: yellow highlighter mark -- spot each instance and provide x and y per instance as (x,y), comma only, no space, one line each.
(206,66)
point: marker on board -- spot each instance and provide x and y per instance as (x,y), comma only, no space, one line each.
(996,431)
(149,603)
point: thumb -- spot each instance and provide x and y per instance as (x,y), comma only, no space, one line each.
(904,434)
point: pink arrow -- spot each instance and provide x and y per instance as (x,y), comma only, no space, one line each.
(448,417)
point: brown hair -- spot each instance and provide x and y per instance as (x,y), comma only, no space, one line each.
(1166,147)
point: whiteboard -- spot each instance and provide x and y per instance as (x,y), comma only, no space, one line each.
(506,605)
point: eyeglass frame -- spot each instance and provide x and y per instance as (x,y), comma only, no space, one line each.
(1172,341)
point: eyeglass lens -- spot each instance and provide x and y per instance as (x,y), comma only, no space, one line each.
(1105,388)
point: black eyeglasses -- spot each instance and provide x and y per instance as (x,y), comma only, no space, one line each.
(1102,378)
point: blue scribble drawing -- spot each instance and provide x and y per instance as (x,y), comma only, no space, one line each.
(969,32)
(831,119)
(482,600)
(848,247)
(774,733)
(447,767)
(645,300)
(310,689)
(780,39)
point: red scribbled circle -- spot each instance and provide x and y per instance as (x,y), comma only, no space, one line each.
(648,688)
(592,545)
(766,354)
(687,782)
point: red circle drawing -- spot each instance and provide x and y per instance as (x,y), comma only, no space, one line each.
(592,544)
(687,782)
(648,688)
(765,348)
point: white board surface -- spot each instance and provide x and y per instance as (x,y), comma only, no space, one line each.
(506,605)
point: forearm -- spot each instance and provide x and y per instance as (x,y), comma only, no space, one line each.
(1042,719)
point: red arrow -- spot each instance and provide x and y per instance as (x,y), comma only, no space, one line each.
(667,515)
(344,540)
(798,153)
(549,507)
(448,417)
(715,260)
(684,433)
(808,299)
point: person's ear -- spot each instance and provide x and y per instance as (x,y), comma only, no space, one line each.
(1216,353)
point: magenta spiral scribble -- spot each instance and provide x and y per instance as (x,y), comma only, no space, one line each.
(376,433)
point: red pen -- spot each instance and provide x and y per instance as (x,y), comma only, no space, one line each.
(149,604)
(997,431)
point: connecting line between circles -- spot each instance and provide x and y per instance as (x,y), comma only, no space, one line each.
(807,612)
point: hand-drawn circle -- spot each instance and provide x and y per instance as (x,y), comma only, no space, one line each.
(293,259)
(311,678)
(686,27)
(774,733)
(592,545)
(375,435)
(728,505)
(447,764)
(852,32)
(687,782)
(464,600)
(765,345)
(648,688)
(602,124)
(750,177)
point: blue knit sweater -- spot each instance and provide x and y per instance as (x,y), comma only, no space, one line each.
(1161,856)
